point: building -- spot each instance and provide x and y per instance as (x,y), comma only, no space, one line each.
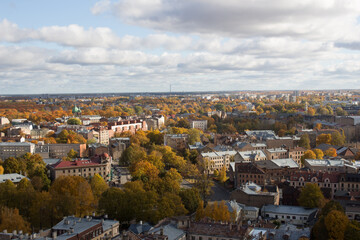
(217,160)
(15,149)
(155,122)
(278,170)
(199,124)
(13,177)
(4,120)
(275,153)
(128,126)
(83,167)
(211,230)
(60,150)
(253,195)
(246,172)
(296,154)
(331,165)
(74,228)
(289,214)
(261,135)
(250,156)
(176,141)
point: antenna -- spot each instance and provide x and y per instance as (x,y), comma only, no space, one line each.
(170,88)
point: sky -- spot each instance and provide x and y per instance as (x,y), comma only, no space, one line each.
(98,46)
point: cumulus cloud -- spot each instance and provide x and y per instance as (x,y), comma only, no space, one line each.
(313,19)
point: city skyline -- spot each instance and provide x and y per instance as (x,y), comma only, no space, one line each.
(140,46)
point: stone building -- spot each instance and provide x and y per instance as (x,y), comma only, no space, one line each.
(15,149)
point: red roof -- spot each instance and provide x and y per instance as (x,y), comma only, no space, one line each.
(76,163)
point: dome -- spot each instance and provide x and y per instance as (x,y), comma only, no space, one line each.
(76,110)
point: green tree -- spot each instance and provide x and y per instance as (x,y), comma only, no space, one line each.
(194,135)
(311,196)
(190,198)
(304,141)
(74,121)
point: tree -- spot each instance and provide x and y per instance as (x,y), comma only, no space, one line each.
(330,152)
(200,212)
(323,138)
(191,199)
(304,141)
(336,223)
(41,211)
(204,184)
(352,231)
(74,121)
(311,196)
(337,139)
(72,154)
(14,165)
(98,186)
(134,153)
(319,153)
(194,136)
(222,175)
(11,220)
(1,170)
(72,195)
(309,154)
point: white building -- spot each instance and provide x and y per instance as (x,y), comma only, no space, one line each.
(289,214)
(199,124)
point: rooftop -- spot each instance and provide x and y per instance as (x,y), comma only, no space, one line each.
(291,210)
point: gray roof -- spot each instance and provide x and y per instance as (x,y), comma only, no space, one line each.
(170,230)
(16,144)
(284,209)
(14,177)
(140,227)
(285,162)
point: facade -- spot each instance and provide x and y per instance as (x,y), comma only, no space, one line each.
(253,195)
(155,122)
(60,150)
(276,153)
(248,172)
(15,149)
(331,165)
(83,167)
(296,154)
(176,141)
(4,120)
(199,124)
(250,156)
(128,126)
(217,160)
(289,214)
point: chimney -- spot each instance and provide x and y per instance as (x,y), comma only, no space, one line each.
(5,231)
(54,235)
(14,232)
(161,231)
(140,222)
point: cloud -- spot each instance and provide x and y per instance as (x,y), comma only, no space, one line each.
(310,19)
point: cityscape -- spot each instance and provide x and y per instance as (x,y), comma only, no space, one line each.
(179,120)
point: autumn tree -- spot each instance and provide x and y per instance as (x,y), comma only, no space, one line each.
(311,196)
(200,211)
(222,175)
(304,141)
(72,195)
(134,153)
(309,154)
(336,223)
(194,136)
(11,220)
(204,184)
(319,153)
(337,139)
(330,152)
(323,138)
(1,170)
(72,154)
(98,186)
